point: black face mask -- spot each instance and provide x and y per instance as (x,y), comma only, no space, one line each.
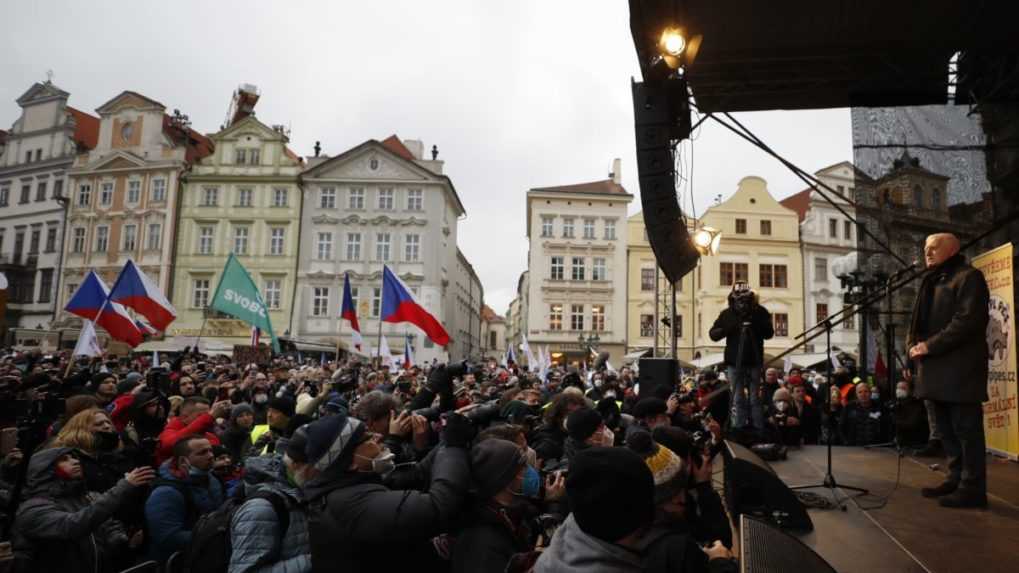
(106,441)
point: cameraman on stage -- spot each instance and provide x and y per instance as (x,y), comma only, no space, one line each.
(745,325)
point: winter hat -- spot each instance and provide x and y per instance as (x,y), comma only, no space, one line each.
(676,439)
(609,410)
(648,407)
(219,450)
(134,377)
(611,492)
(515,411)
(98,378)
(327,442)
(582,423)
(494,464)
(639,440)
(126,385)
(239,410)
(283,404)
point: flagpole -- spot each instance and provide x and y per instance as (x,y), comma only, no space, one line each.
(339,326)
(382,301)
(205,316)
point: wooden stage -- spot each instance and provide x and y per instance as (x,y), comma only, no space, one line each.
(910,533)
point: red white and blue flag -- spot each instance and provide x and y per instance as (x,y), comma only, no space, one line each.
(256,335)
(408,354)
(349,312)
(398,305)
(92,296)
(134,289)
(145,329)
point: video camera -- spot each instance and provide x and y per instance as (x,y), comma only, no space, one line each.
(742,300)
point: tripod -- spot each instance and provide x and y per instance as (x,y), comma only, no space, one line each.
(829,477)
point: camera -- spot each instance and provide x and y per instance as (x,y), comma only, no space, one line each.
(701,439)
(742,300)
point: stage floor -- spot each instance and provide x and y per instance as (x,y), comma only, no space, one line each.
(910,533)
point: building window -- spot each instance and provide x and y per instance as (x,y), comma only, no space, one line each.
(279,197)
(356,198)
(386,199)
(382,242)
(78,240)
(210,196)
(820,270)
(558,269)
(254,156)
(415,200)
(45,285)
(26,193)
(647,280)
(918,197)
(822,311)
(847,230)
(376,301)
(51,240)
(33,245)
(781,276)
(276,240)
(588,228)
(576,317)
(320,301)
(546,226)
(241,235)
(833,228)
(767,275)
(731,273)
(244,197)
(5,196)
(353,246)
(158,190)
(598,269)
(781,321)
(130,238)
(240,156)
(578,268)
(154,238)
(765,227)
(40,191)
(610,229)
(200,293)
(412,248)
(567,228)
(273,293)
(555,317)
(849,323)
(19,246)
(102,238)
(355,293)
(741,226)
(327,198)
(598,317)
(134,191)
(325,246)
(205,239)
(647,325)
(84,195)
(58,188)
(106,194)
(935,200)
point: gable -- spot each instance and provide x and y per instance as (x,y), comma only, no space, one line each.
(369,163)
(129,100)
(119,160)
(752,195)
(41,92)
(249,126)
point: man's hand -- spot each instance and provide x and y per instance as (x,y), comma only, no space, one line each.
(136,540)
(399,425)
(419,425)
(140,476)
(715,429)
(919,350)
(555,486)
(717,551)
(792,421)
(221,409)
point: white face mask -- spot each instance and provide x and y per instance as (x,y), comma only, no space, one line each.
(900,393)
(781,406)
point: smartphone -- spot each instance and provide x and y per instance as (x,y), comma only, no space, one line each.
(8,440)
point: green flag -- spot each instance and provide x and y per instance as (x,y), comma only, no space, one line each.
(237,295)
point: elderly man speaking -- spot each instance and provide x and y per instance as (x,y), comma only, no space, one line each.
(947,340)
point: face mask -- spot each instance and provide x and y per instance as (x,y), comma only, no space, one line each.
(901,394)
(106,441)
(874,396)
(608,438)
(383,463)
(531,486)
(261,398)
(781,406)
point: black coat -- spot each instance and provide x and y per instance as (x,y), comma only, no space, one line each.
(729,326)
(950,315)
(493,536)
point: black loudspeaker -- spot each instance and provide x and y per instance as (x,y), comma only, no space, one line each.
(752,488)
(658,377)
(661,114)
(765,549)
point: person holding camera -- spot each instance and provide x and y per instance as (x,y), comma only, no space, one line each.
(744,325)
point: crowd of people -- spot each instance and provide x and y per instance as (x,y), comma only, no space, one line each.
(202,464)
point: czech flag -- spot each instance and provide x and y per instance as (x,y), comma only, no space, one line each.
(398,305)
(90,298)
(408,354)
(145,329)
(135,290)
(348,312)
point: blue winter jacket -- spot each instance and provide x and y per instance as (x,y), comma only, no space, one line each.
(166,511)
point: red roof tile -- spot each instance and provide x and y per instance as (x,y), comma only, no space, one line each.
(86,131)
(603,187)
(393,143)
(799,202)
(489,315)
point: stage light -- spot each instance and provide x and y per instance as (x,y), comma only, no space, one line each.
(672,42)
(707,240)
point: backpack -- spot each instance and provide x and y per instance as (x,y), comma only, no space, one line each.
(209,550)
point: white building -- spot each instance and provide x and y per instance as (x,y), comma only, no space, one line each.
(826,234)
(378,203)
(577,268)
(40,148)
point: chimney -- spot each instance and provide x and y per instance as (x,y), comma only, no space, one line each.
(415,146)
(617,177)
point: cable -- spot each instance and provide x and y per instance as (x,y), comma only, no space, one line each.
(883,499)
(815,501)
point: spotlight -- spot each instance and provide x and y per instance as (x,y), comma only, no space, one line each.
(672,42)
(707,240)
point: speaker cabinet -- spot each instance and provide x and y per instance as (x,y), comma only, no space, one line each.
(752,488)
(658,377)
(765,549)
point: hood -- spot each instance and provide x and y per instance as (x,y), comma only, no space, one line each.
(268,472)
(573,550)
(41,480)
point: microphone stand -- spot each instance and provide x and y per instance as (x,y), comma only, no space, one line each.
(892,354)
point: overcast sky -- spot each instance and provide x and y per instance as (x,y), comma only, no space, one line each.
(515,94)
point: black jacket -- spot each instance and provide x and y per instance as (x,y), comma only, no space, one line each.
(493,536)
(355,522)
(729,326)
(950,315)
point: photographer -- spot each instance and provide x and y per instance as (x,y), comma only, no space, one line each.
(745,325)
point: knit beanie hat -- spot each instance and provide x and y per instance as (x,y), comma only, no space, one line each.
(648,407)
(582,423)
(494,464)
(240,409)
(283,404)
(664,464)
(515,411)
(611,492)
(126,385)
(327,442)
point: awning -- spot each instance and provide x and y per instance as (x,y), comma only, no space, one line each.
(708,360)
(636,355)
(207,345)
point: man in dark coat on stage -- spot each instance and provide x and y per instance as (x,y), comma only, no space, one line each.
(947,339)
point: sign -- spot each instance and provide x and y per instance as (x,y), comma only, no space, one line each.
(1001,411)
(245,354)
(238,296)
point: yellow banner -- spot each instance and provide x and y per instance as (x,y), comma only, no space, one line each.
(1001,411)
